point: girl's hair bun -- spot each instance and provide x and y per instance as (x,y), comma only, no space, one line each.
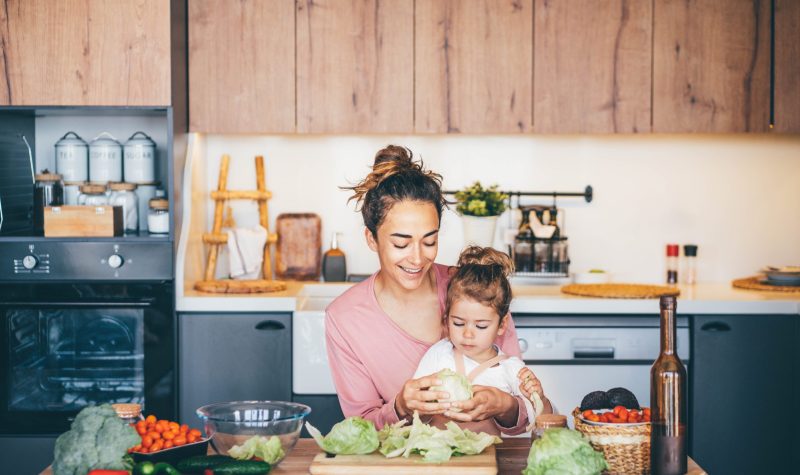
(486,256)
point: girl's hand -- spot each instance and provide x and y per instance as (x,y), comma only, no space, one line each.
(417,396)
(486,402)
(529,383)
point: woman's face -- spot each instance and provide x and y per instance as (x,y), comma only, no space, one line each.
(407,242)
(472,328)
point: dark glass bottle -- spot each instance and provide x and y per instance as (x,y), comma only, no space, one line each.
(334,266)
(668,438)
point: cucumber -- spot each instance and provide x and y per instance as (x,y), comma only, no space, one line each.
(199,463)
(242,467)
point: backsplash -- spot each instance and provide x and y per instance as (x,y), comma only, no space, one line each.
(736,197)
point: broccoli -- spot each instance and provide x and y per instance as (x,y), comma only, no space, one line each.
(98,438)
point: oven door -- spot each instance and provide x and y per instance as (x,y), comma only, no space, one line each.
(67,346)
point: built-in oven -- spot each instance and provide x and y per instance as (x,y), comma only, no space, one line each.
(69,345)
(573,355)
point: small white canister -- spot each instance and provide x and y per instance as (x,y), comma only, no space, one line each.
(72,158)
(144,193)
(105,159)
(123,194)
(139,159)
(71,191)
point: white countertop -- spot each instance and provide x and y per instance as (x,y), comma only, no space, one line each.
(700,299)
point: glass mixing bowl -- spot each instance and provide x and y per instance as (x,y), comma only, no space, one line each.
(233,423)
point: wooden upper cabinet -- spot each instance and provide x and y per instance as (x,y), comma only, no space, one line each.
(592,67)
(473,67)
(711,66)
(85,53)
(787,66)
(355,66)
(241,66)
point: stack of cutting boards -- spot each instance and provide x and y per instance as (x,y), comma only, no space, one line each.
(484,463)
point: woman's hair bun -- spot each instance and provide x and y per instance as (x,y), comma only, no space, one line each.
(486,256)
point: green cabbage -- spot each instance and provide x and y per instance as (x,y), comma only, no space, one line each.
(353,435)
(268,450)
(456,384)
(563,451)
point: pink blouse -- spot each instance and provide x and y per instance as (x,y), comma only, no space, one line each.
(371,357)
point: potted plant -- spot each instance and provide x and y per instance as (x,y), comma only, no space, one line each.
(479,208)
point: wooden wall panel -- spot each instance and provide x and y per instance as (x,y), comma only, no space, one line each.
(711,66)
(787,66)
(473,67)
(241,66)
(85,52)
(592,66)
(355,66)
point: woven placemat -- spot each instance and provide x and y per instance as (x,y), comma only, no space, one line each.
(620,291)
(240,286)
(754,283)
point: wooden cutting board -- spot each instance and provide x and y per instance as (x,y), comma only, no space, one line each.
(484,463)
(299,246)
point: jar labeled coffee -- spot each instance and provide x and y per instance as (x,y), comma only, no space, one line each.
(105,159)
(139,159)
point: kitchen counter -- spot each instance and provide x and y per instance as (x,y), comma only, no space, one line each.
(700,299)
(512,457)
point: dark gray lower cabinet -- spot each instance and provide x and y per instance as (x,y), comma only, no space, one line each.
(233,357)
(25,455)
(325,411)
(744,385)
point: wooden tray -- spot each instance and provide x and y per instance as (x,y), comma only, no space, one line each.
(299,246)
(754,283)
(620,291)
(484,463)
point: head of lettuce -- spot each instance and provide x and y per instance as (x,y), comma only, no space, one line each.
(565,452)
(354,435)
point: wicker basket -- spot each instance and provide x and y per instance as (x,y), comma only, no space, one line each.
(626,448)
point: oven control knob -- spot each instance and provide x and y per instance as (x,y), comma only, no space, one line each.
(523,345)
(30,261)
(115,261)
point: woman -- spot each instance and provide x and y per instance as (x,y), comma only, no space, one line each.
(378,330)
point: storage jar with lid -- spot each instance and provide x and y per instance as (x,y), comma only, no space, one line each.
(105,159)
(158,216)
(72,158)
(93,195)
(145,192)
(130,413)
(48,190)
(547,421)
(139,159)
(71,191)
(123,194)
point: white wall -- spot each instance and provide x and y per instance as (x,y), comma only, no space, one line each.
(737,197)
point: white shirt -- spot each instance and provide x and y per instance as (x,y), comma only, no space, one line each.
(502,376)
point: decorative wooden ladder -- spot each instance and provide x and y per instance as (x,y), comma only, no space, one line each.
(217,238)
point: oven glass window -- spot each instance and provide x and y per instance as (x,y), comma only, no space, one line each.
(66,359)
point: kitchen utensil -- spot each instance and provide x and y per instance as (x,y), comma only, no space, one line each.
(72,157)
(233,423)
(105,159)
(139,162)
(484,463)
(299,246)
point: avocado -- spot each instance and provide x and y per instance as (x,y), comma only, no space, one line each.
(595,400)
(622,397)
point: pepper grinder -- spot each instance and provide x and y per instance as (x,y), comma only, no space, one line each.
(334,267)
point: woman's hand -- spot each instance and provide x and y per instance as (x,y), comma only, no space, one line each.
(486,402)
(417,396)
(529,383)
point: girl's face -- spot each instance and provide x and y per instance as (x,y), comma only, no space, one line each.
(407,242)
(473,328)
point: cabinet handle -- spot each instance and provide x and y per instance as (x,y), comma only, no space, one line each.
(270,325)
(715,327)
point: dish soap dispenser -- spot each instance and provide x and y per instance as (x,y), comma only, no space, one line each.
(334,267)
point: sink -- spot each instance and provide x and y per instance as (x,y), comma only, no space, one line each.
(315,297)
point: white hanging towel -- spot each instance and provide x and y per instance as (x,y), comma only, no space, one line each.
(246,252)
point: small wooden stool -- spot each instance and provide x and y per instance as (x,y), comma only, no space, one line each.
(216,238)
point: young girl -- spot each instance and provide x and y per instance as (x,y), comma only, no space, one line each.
(476,313)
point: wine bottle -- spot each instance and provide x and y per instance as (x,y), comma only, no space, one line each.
(668,436)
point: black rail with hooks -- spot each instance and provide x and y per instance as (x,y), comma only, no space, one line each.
(587,194)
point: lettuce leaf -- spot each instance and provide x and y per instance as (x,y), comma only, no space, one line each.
(565,452)
(268,450)
(456,384)
(353,435)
